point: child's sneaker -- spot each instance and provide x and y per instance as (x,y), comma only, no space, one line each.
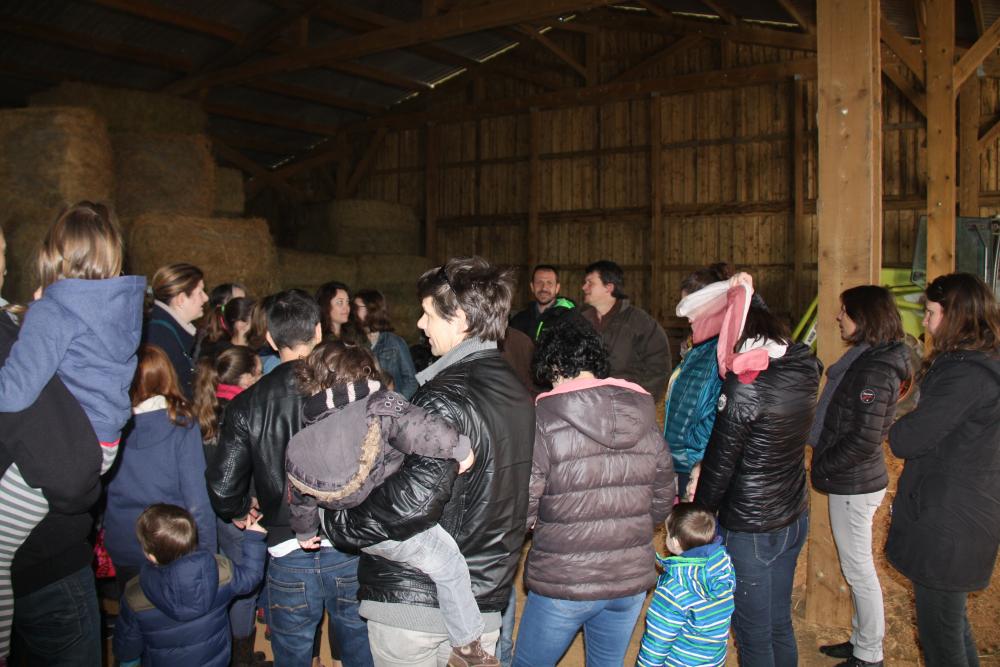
(471,655)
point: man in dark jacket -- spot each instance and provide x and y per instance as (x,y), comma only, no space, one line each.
(55,603)
(465,304)
(638,349)
(255,432)
(545,288)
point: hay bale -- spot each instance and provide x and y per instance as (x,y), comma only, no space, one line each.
(226,249)
(309,270)
(361,226)
(164,173)
(49,159)
(128,110)
(396,277)
(229,198)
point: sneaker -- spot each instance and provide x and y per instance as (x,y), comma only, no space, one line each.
(471,655)
(858,662)
(843,650)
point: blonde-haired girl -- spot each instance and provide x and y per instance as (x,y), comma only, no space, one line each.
(84,328)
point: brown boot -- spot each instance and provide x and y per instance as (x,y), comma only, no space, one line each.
(471,655)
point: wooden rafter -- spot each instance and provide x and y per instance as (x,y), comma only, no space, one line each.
(907,53)
(250,143)
(325,154)
(987,136)
(672,25)
(977,12)
(315,95)
(920,18)
(891,66)
(798,15)
(379,76)
(655,9)
(974,57)
(553,48)
(464,21)
(246,164)
(261,118)
(685,42)
(160,14)
(724,14)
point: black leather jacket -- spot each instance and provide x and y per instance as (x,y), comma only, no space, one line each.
(484,509)
(256,429)
(753,472)
(848,458)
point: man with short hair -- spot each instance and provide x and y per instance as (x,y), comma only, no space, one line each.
(256,428)
(465,304)
(638,349)
(545,288)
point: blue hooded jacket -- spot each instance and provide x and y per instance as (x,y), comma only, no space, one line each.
(160,462)
(87,332)
(177,614)
(690,409)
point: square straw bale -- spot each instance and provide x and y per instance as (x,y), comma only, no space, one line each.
(229,197)
(309,270)
(128,110)
(164,173)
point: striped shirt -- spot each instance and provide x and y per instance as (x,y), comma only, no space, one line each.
(688,618)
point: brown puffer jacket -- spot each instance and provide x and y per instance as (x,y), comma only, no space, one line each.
(601,479)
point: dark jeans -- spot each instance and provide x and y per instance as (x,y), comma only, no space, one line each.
(945,633)
(59,625)
(765,567)
(299,586)
(505,647)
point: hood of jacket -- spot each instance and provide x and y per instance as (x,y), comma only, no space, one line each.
(184,589)
(156,429)
(990,363)
(111,308)
(609,411)
(709,571)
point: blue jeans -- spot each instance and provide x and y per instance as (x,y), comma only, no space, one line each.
(299,586)
(943,627)
(765,567)
(243,608)
(60,625)
(548,626)
(505,647)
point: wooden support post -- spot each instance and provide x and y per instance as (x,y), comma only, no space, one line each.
(968,147)
(534,185)
(800,230)
(657,237)
(850,228)
(431,192)
(940,137)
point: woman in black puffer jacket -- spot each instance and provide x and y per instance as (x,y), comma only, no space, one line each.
(945,526)
(852,420)
(754,475)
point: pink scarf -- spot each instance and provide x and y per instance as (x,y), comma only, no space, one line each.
(228,391)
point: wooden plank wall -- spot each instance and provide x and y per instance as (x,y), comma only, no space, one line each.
(726,165)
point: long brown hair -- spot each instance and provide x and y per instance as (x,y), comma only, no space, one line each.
(971,316)
(377,318)
(84,242)
(874,313)
(155,376)
(227,368)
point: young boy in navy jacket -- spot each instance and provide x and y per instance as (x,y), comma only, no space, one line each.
(176,611)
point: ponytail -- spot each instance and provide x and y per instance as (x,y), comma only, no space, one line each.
(206,405)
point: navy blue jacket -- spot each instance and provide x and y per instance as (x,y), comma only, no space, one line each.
(87,332)
(163,331)
(160,462)
(177,614)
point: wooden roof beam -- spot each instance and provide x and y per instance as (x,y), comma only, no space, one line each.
(555,49)
(724,14)
(987,136)
(431,29)
(891,66)
(315,95)
(974,57)
(379,75)
(798,15)
(907,53)
(260,118)
(685,42)
(251,143)
(159,14)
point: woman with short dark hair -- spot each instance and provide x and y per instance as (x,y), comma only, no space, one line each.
(945,526)
(600,480)
(853,416)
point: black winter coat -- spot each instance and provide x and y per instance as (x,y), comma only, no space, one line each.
(256,429)
(484,509)
(162,330)
(945,526)
(753,472)
(848,458)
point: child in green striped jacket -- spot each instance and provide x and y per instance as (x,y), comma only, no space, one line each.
(688,619)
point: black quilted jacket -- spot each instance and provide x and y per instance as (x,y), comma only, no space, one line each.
(848,458)
(484,510)
(753,472)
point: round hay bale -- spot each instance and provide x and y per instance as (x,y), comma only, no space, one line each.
(309,270)
(226,249)
(164,173)
(128,110)
(51,158)
(361,226)
(229,199)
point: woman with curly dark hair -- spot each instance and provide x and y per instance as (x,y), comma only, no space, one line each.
(600,480)
(945,526)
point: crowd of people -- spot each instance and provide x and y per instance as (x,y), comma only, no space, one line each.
(285,453)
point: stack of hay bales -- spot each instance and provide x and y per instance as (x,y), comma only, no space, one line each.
(309,270)
(230,199)
(380,236)
(49,158)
